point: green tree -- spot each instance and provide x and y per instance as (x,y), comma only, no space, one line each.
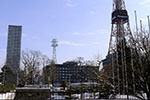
(5,72)
(69,91)
(64,84)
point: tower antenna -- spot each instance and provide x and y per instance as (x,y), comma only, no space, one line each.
(120,40)
(54,45)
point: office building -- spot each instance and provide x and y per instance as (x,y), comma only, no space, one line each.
(14,48)
(72,73)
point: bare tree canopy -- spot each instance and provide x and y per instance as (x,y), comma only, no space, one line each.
(142,63)
(32,61)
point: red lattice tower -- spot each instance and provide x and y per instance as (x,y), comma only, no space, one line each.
(120,38)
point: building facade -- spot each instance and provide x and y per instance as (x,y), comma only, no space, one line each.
(13,50)
(73,73)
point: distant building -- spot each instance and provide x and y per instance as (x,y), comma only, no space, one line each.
(107,65)
(14,48)
(72,73)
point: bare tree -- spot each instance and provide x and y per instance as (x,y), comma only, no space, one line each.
(103,86)
(97,60)
(142,64)
(80,61)
(45,60)
(31,61)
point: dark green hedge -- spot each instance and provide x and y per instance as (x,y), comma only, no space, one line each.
(7,88)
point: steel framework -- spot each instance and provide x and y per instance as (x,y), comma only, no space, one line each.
(121,40)
(54,45)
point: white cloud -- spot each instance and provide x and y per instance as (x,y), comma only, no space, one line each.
(92,12)
(145,3)
(71,43)
(102,31)
(36,38)
(26,36)
(83,34)
(96,32)
(96,43)
(69,3)
(69,0)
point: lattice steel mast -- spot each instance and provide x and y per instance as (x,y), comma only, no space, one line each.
(54,45)
(121,38)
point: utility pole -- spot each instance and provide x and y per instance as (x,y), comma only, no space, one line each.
(54,45)
(148,23)
(136,23)
(141,26)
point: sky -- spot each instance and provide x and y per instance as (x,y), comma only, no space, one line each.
(81,27)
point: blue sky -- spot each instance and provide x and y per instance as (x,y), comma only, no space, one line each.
(82,27)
